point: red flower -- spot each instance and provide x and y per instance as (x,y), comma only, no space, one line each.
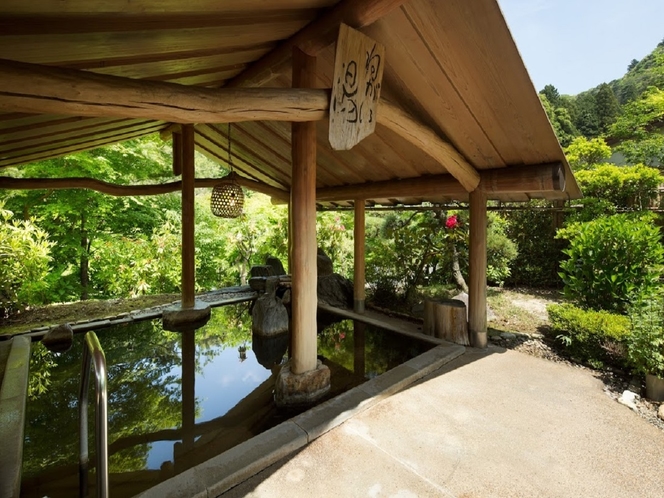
(452,222)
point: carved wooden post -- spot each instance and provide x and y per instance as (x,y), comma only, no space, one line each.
(303,203)
(359,261)
(188,250)
(477,286)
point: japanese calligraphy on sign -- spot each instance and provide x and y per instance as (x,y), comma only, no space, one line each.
(358,73)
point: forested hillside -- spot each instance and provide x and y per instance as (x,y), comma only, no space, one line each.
(628,109)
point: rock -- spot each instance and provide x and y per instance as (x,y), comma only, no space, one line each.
(59,339)
(462,296)
(660,412)
(261,271)
(257,283)
(628,398)
(276,264)
(270,350)
(335,290)
(286,298)
(175,318)
(324,264)
(269,315)
(508,336)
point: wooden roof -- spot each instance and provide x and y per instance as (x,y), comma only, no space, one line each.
(451,64)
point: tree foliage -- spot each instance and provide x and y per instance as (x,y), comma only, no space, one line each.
(24,263)
(629,187)
(583,153)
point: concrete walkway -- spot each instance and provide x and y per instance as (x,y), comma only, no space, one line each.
(493,424)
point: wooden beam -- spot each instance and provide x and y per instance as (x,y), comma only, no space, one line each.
(515,179)
(304,254)
(313,38)
(188,222)
(477,321)
(423,137)
(34,88)
(131,190)
(358,256)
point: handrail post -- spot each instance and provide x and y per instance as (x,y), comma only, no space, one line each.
(93,354)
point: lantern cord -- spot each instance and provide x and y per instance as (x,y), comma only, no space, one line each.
(230,158)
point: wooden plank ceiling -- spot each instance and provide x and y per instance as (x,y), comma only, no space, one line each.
(452,65)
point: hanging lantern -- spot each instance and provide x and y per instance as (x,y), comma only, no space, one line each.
(227,197)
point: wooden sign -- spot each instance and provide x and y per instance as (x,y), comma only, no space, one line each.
(358,73)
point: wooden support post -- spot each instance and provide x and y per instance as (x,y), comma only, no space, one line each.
(177,154)
(359,258)
(303,203)
(188,193)
(477,286)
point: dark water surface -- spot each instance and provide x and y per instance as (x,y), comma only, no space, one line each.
(178,399)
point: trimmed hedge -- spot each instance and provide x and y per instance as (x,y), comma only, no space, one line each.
(595,337)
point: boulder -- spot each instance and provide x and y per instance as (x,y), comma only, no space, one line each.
(335,290)
(59,339)
(276,264)
(270,350)
(261,271)
(269,315)
(257,283)
(462,296)
(324,264)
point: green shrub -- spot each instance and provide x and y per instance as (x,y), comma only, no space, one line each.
(539,253)
(613,262)
(592,336)
(24,263)
(633,187)
(501,251)
(645,346)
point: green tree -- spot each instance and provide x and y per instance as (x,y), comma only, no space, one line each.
(24,263)
(640,129)
(607,107)
(552,95)
(75,219)
(583,153)
(560,121)
(626,187)
(586,118)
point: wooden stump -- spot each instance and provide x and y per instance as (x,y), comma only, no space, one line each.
(429,307)
(446,319)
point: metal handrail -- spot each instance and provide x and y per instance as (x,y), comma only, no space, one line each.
(92,353)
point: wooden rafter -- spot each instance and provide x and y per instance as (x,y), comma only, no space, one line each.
(314,38)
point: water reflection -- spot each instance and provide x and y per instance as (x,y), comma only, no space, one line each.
(178,399)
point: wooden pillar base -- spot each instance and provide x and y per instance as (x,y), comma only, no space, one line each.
(181,319)
(478,339)
(293,390)
(359,306)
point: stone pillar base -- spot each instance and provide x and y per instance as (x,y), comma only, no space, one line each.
(299,390)
(178,319)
